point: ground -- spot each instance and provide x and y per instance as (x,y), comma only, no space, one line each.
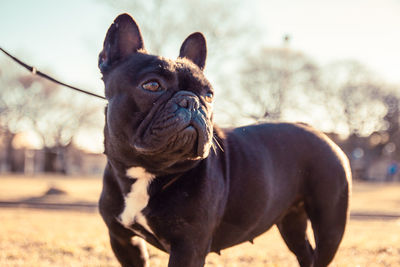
(33,237)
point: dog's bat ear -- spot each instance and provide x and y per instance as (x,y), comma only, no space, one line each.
(123,38)
(194,48)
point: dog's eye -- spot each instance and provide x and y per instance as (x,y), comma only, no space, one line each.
(209,97)
(151,86)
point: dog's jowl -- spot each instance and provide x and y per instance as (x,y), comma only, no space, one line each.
(180,183)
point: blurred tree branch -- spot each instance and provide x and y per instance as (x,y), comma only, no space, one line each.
(30,103)
(274,80)
(353,97)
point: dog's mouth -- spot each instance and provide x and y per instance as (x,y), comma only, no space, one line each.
(175,131)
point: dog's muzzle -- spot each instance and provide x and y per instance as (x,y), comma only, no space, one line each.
(179,127)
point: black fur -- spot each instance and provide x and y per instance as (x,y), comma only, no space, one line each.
(206,199)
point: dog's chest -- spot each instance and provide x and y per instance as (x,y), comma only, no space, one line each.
(136,200)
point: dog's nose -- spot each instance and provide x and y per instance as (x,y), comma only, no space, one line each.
(189,103)
(187,100)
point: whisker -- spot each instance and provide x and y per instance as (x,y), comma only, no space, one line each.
(214,148)
(217,143)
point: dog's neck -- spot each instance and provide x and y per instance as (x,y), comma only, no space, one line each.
(123,157)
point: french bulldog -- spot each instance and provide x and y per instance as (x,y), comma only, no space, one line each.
(178,182)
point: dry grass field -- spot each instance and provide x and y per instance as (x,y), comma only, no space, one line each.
(30,237)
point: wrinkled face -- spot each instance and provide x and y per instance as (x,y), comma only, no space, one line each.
(162,109)
(159,108)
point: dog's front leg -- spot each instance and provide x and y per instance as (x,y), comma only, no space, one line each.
(187,254)
(130,252)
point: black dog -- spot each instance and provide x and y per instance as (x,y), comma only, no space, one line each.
(188,188)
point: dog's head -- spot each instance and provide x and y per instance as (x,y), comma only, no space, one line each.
(159,109)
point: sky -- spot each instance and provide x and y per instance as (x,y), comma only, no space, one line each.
(364,30)
(63,38)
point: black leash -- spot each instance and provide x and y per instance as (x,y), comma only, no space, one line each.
(34,71)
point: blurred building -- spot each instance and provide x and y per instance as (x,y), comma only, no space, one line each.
(372,158)
(71,161)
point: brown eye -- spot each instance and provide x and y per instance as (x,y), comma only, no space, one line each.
(151,86)
(209,97)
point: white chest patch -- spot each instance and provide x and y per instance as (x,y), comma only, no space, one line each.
(136,200)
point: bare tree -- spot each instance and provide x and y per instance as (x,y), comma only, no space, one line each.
(275,80)
(353,97)
(392,102)
(166,22)
(30,103)
(13,101)
(342,97)
(57,122)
